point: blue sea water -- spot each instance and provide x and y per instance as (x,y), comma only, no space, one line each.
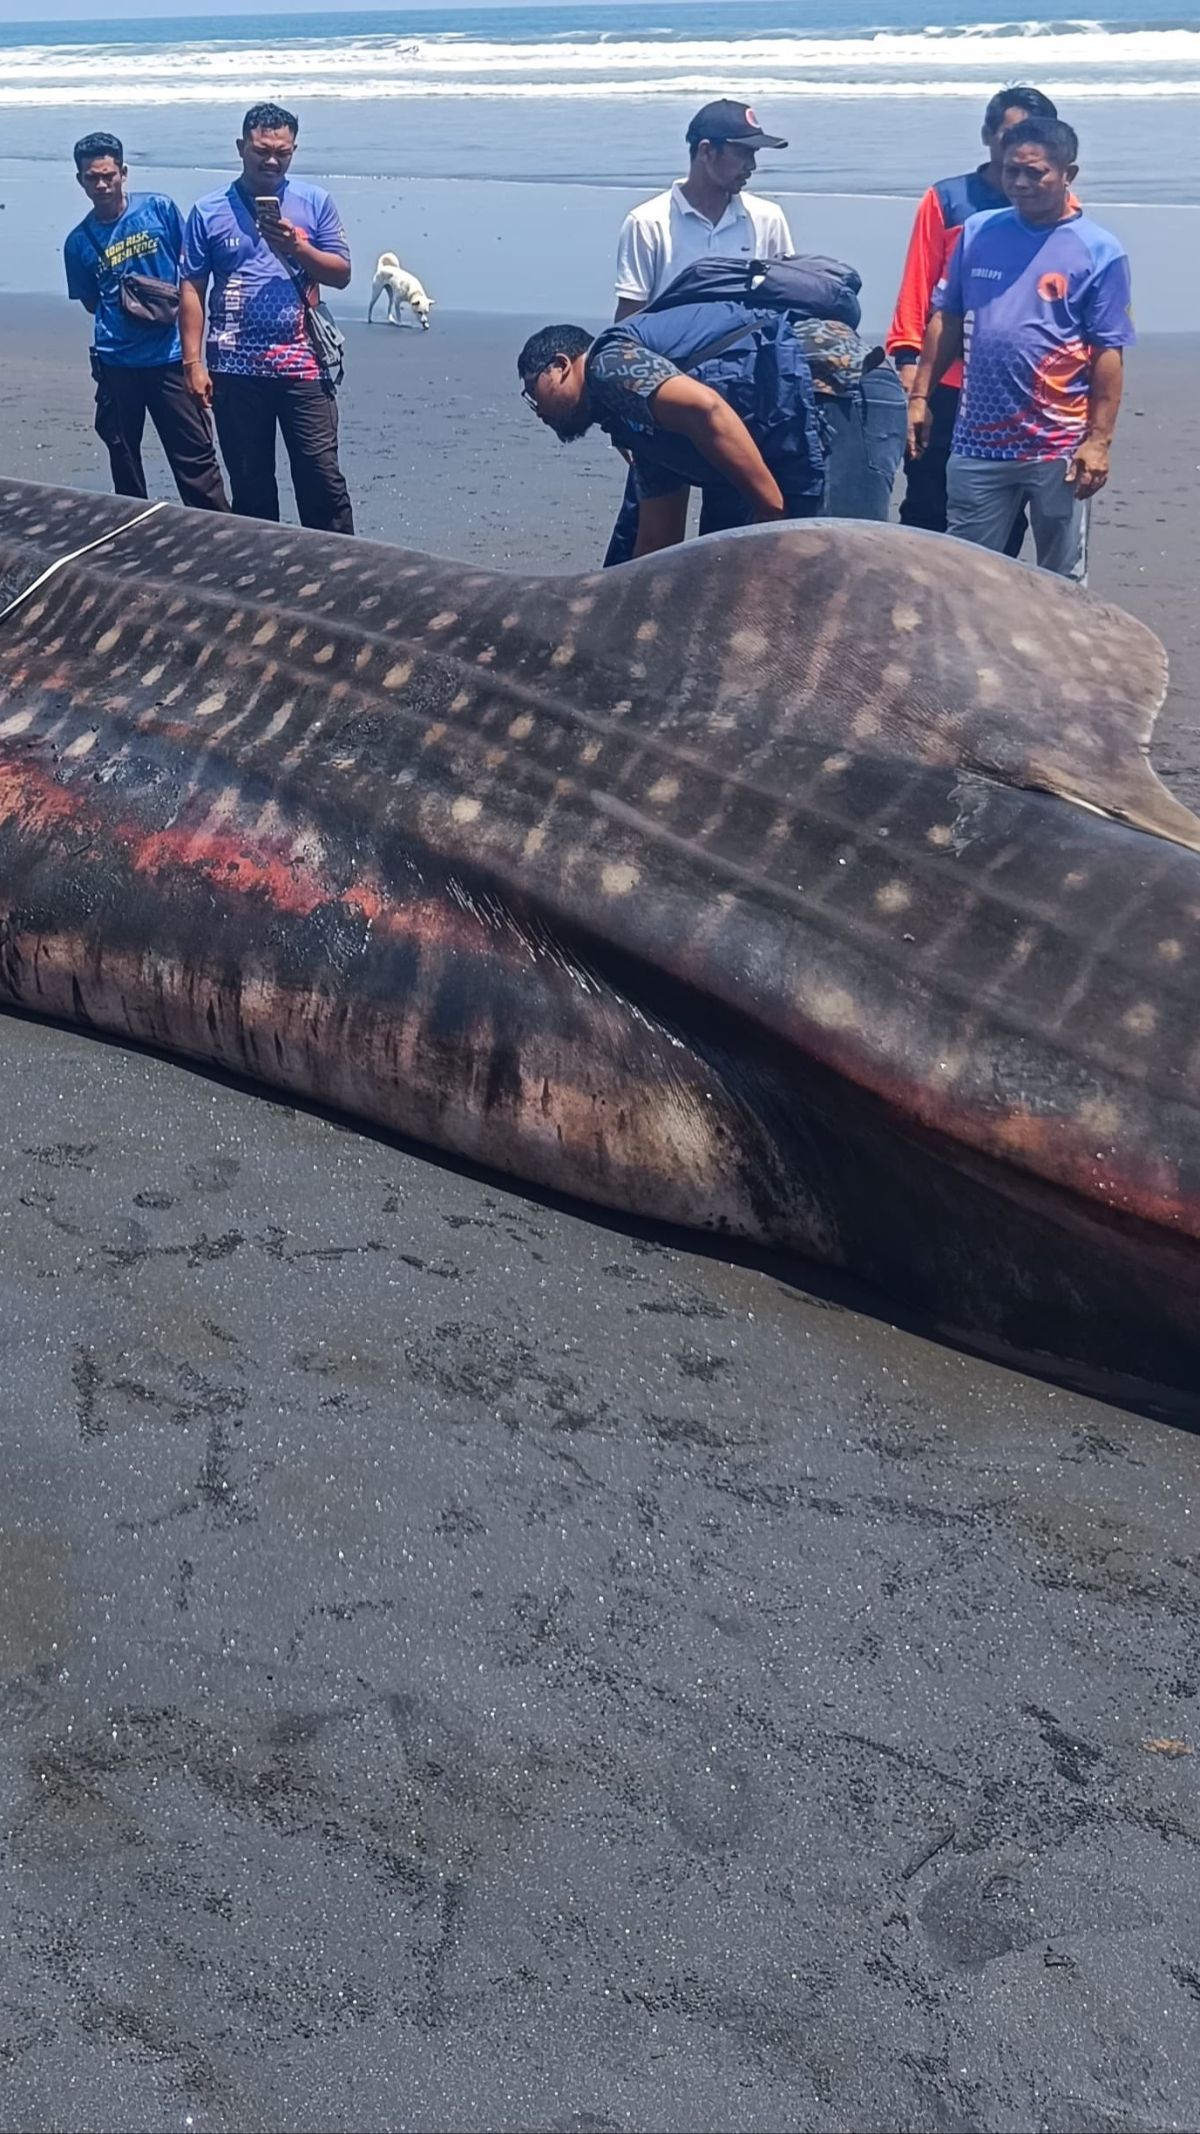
(866,90)
(505,142)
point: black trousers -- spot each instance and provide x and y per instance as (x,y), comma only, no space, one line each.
(305,409)
(125,395)
(924,501)
(720,508)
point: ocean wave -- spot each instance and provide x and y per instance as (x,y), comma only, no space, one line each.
(118,95)
(1080,58)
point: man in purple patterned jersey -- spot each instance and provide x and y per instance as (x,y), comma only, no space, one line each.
(267,243)
(1036,301)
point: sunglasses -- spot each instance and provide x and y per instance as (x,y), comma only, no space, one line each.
(530,398)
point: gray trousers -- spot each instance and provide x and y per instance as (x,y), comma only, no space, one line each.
(983,497)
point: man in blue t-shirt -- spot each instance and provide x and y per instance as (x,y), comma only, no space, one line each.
(267,243)
(738,423)
(1036,301)
(136,359)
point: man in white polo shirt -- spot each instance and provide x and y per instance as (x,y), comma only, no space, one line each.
(703,216)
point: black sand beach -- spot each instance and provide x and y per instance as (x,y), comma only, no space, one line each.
(465,1664)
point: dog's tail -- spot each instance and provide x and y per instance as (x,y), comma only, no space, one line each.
(387,259)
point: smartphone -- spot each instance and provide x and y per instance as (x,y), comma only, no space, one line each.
(266,208)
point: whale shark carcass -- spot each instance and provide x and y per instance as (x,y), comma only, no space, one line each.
(810,885)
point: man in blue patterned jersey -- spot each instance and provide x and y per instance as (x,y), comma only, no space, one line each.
(268,242)
(122,265)
(1036,303)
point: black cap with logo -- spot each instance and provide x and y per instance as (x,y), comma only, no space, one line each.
(726,120)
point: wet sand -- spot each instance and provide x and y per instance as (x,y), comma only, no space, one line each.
(464,1663)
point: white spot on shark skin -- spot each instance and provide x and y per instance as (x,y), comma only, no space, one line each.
(521,727)
(865,725)
(1027,645)
(397,676)
(82,747)
(343,763)
(590,752)
(893,897)
(308,848)
(1170,951)
(1100,1118)
(485,658)
(509,622)
(305,592)
(563,654)
(584,605)
(989,682)
(617,878)
(109,639)
(646,632)
(466,809)
(264,636)
(1141,1021)
(444,620)
(216,702)
(896,675)
(279,719)
(153,675)
(940,833)
(363,657)
(35,613)
(1074,880)
(663,791)
(829,1005)
(433,734)
(747,644)
(19,722)
(323,657)
(533,843)
(834,765)
(224,807)
(905,616)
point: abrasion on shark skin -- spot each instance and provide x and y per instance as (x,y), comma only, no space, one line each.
(810,885)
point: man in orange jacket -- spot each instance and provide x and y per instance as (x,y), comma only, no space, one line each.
(935,232)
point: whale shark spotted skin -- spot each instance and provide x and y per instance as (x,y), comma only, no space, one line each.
(810,885)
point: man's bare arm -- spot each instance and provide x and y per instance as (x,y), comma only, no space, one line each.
(942,346)
(689,409)
(191,334)
(1089,467)
(328,269)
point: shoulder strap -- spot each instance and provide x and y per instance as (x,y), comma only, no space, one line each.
(90,236)
(717,347)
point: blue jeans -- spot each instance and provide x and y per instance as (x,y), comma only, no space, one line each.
(984,496)
(864,434)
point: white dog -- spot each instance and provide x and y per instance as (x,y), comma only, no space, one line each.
(400,288)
